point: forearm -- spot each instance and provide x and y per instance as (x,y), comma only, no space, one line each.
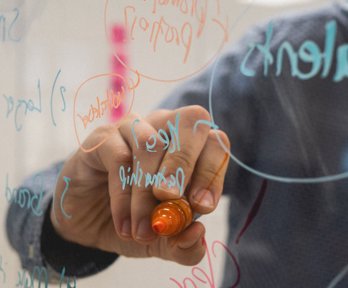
(32,235)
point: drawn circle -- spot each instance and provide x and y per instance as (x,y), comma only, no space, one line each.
(76,96)
(272,177)
(160,78)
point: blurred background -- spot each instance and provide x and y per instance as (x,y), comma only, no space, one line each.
(48,49)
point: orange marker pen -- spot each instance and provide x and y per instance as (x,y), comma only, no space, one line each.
(171,217)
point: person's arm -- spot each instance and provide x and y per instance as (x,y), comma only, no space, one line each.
(51,248)
(36,241)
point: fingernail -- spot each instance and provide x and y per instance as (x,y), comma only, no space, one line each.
(144,231)
(126,228)
(204,198)
(170,186)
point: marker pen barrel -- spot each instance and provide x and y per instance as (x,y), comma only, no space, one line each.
(171,217)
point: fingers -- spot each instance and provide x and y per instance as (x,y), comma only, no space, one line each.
(147,156)
(187,248)
(162,156)
(207,181)
(181,156)
(117,156)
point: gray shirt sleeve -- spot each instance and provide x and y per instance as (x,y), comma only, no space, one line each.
(32,235)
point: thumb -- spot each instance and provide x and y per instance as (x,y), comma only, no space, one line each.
(188,247)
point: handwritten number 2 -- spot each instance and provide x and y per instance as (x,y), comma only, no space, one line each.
(62,90)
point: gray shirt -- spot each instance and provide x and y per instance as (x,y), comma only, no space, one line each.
(285,112)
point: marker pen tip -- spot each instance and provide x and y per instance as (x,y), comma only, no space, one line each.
(159,226)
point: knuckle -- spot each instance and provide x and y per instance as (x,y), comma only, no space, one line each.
(215,135)
(224,138)
(132,116)
(209,172)
(102,130)
(129,119)
(196,112)
(158,146)
(142,138)
(159,114)
(182,159)
(122,156)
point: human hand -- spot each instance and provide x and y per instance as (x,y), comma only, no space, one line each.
(113,216)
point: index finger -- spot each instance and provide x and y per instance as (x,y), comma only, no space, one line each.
(185,147)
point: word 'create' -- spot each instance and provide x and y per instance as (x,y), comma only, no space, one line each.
(172,139)
(308,53)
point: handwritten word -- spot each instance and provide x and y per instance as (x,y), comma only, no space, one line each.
(157,180)
(6,31)
(181,36)
(111,101)
(62,279)
(309,53)
(169,27)
(26,279)
(199,275)
(183,7)
(2,271)
(209,278)
(162,135)
(25,198)
(21,107)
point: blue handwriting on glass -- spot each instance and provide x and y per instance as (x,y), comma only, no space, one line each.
(26,279)
(162,136)
(66,188)
(25,198)
(309,53)
(7,26)
(158,179)
(21,107)
(2,271)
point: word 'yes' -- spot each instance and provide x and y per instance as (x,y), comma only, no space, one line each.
(7,26)
(26,280)
(20,107)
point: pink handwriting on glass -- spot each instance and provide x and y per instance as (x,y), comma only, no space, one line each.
(162,28)
(210,278)
(199,275)
(89,119)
